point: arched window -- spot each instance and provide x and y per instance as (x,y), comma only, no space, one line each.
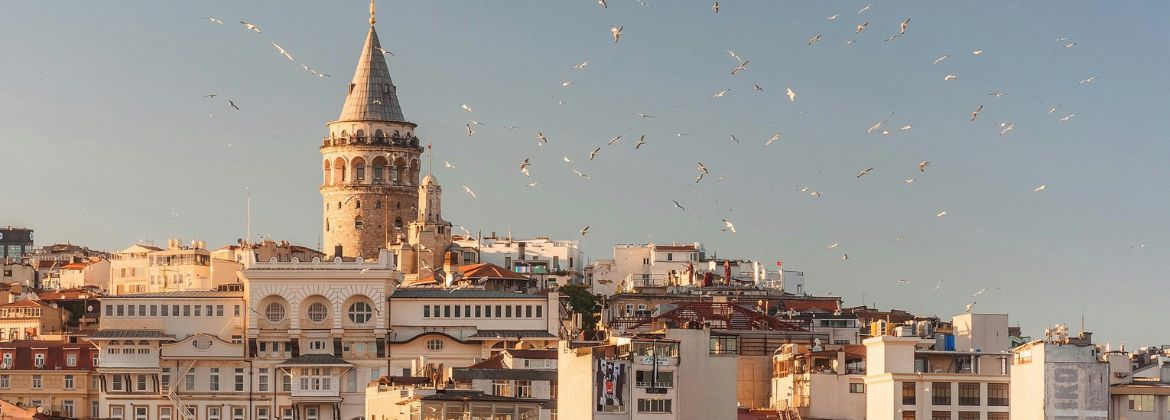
(357,223)
(339,175)
(358,204)
(378,204)
(327,173)
(361,135)
(274,312)
(379,170)
(379,135)
(339,205)
(326,225)
(360,312)
(398,223)
(318,312)
(359,169)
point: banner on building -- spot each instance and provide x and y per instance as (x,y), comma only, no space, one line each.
(610,381)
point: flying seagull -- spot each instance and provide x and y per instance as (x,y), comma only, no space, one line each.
(581,174)
(791,95)
(584,231)
(641,141)
(616,32)
(922,165)
(593,154)
(233,104)
(720,94)
(774,138)
(864,172)
(741,67)
(940,59)
(975,114)
(815,39)
(250,26)
(283,52)
(703,168)
(676,204)
(727,225)
(470,131)
(540,136)
(1042,187)
(214,20)
(385,51)
(861,27)
(614,140)
(715,7)
(465,107)
(469,191)
(902,26)
(582,65)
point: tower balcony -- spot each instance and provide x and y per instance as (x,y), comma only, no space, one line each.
(394,140)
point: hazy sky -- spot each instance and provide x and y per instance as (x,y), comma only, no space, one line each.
(106,138)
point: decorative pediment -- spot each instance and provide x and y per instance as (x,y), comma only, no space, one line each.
(202,346)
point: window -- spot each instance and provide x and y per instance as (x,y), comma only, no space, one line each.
(908,415)
(186,310)
(274,312)
(357,223)
(969,415)
(997,395)
(968,393)
(67,406)
(153,310)
(213,413)
(238,413)
(316,344)
(236,310)
(508,311)
(165,379)
(262,380)
(940,393)
(311,413)
(528,311)
(940,415)
(539,311)
(285,382)
(117,411)
(478,311)
(239,380)
(646,379)
(908,389)
(189,380)
(286,412)
(360,312)
(69,381)
(316,379)
(426,311)
(856,388)
(458,311)
(434,344)
(446,311)
(1141,403)
(199,310)
(141,380)
(523,389)
(501,388)
(71,360)
(116,382)
(36,382)
(39,360)
(997,416)
(165,413)
(5,381)
(262,413)
(218,310)
(317,312)
(654,405)
(213,379)
(487,311)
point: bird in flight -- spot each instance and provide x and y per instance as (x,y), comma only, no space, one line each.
(977,52)
(643,116)
(1007,126)
(1088,80)
(791,95)
(567,84)
(922,165)
(815,39)
(774,138)
(385,51)
(582,65)
(542,139)
(614,140)
(603,4)
(533,184)
(950,77)
(834,17)
(720,94)
(676,204)
(741,67)
(566,159)
(641,141)
(593,154)
(210,95)
(975,114)
(233,104)
(703,168)
(465,107)
(861,27)
(250,27)
(581,174)
(447,164)
(469,191)
(940,59)
(1067,117)
(902,26)
(727,225)
(715,7)
(757,87)
(470,130)
(584,231)
(941,214)
(214,20)
(616,32)
(844,257)
(903,281)
(969,306)
(906,127)
(833,245)
(908,180)
(524,167)
(735,56)
(1042,187)
(733,139)
(863,9)
(864,172)
(875,127)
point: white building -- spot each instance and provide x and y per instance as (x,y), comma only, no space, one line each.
(529,375)
(557,261)
(914,378)
(1061,377)
(820,383)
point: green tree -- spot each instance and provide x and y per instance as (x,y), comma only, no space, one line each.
(583,302)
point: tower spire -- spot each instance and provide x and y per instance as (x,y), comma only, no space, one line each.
(372,20)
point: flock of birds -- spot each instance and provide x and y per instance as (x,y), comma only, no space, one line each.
(741,66)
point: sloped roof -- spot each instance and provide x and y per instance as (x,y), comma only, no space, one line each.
(481,271)
(532,354)
(316,359)
(372,95)
(114,333)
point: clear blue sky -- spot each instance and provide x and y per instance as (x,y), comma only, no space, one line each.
(106,137)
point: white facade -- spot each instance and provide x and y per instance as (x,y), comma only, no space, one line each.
(560,261)
(1054,380)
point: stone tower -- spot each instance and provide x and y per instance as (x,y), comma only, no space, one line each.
(370,163)
(428,237)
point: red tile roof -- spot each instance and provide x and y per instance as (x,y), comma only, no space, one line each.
(55,352)
(532,354)
(675,248)
(70,294)
(802,305)
(482,271)
(494,362)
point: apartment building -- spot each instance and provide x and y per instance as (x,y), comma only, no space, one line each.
(53,376)
(820,382)
(529,375)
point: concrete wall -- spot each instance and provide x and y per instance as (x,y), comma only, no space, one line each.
(753,381)
(707,385)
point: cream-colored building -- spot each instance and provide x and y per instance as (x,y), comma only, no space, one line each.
(557,262)
(129,269)
(19,273)
(94,271)
(914,378)
(435,330)
(820,383)
(28,319)
(1060,377)
(387,400)
(674,376)
(529,375)
(52,375)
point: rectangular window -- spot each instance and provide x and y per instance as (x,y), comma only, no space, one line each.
(213,378)
(142,310)
(446,311)
(36,382)
(487,311)
(236,311)
(262,380)
(5,381)
(523,389)
(141,382)
(968,393)
(940,415)
(121,310)
(654,405)
(1141,403)
(239,380)
(508,311)
(528,311)
(110,310)
(467,311)
(539,311)
(997,416)
(969,415)
(199,310)
(940,393)
(458,311)
(426,311)
(478,311)
(69,382)
(166,310)
(262,413)
(501,388)
(130,310)
(218,310)
(238,413)
(908,415)
(213,413)
(997,395)
(116,382)
(95,408)
(908,389)
(153,310)
(285,382)
(856,388)
(189,380)
(187,310)
(166,413)
(174,310)
(67,406)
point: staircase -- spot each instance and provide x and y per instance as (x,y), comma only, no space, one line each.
(789,414)
(175,384)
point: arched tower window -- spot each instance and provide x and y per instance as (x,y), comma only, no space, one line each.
(359,170)
(358,204)
(398,223)
(414,172)
(399,169)
(379,136)
(379,170)
(339,175)
(357,223)
(361,135)
(378,204)
(327,173)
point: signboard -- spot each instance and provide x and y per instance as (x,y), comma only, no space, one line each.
(610,381)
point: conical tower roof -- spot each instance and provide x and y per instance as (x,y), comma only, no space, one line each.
(372,95)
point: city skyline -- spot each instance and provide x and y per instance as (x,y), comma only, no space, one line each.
(144,155)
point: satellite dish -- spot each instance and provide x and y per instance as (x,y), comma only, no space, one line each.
(89,308)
